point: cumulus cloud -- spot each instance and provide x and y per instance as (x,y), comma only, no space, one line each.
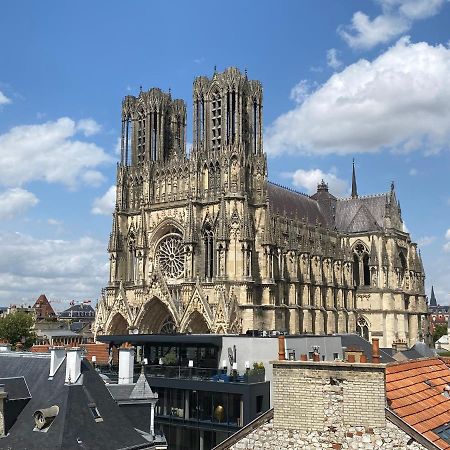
(105,204)
(309,179)
(447,244)
(88,127)
(397,17)
(60,268)
(426,240)
(16,201)
(4,100)
(333,60)
(398,101)
(50,151)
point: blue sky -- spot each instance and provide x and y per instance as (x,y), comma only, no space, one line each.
(363,79)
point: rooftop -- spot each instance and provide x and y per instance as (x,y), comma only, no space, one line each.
(417,391)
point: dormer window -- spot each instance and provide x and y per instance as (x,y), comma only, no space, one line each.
(95,413)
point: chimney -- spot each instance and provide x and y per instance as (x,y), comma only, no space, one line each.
(57,355)
(281,348)
(376,351)
(126,365)
(399,346)
(3,396)
(73,365)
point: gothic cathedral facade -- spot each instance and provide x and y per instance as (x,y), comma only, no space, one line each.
(204,243)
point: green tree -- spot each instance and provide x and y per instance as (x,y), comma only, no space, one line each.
(439,331)
(16,327)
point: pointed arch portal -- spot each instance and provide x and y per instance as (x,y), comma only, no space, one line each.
(118,325)
(157,319)
(197,324)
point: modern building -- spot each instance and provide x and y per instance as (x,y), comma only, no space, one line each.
(210,386)
(204,242)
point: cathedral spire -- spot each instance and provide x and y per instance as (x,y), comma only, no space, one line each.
(433,301)
(354,187)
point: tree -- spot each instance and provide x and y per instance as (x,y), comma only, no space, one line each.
(439,331)
(16,327)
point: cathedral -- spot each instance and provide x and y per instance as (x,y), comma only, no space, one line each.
(203,242)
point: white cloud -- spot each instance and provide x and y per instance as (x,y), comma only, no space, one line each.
(62,269)
(54,222)
(397,17)
(425,240)
(88,127)
(16,201)
(4,100)
(93,177)
(48,151)
(301,91)
(309,179)
(398,101)
(105,204)
(447,244)
(332,59)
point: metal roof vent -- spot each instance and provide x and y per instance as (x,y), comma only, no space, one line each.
(43,418)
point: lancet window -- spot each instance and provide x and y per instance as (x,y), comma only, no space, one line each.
(208,240)
(216,120)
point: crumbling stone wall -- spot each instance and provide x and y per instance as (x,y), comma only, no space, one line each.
(268,437)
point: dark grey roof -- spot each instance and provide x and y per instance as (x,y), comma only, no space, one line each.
(294,205)
(354,341)
(74,427)
(16,388)
(361,214)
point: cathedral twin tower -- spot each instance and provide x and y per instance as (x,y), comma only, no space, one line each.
(204,243)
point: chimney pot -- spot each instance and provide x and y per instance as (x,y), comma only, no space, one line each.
(351,358)
(303,357)
(281,348)
(363,358)
(376,350)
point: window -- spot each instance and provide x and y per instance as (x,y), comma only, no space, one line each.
(362,328)
(209,252)
(95,414)
(259,403)
(216,120)
(361,270)
(140,146)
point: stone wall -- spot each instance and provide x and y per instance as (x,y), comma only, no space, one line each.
(268,437)
(321,395)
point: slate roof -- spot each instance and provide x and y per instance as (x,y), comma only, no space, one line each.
(355,341)
(74,427)
(354,215)
(415,392)
(283,201)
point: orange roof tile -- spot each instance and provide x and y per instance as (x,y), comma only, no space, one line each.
(415,392)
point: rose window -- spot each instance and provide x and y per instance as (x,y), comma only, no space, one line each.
(170,256)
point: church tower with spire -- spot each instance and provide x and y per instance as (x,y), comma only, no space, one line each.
(203,242)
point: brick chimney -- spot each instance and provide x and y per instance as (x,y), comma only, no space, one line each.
(281,348)
(126,365)
(73,365)
(376,351)
(3,396)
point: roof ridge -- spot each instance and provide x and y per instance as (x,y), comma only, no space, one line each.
(380,194)
(290,189)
